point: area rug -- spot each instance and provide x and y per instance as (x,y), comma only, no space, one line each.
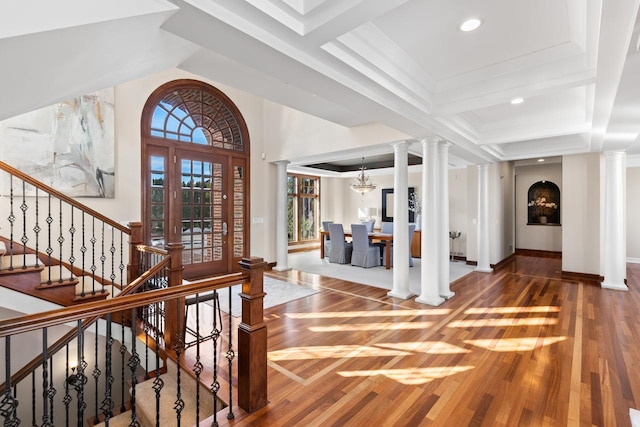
(278,292)
(379,277)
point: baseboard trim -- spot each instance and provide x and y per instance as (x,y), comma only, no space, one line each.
(581,277)
(291,249)
(504,262)
(633,260)
(538,253)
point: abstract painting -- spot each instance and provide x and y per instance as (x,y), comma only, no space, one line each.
(69,146)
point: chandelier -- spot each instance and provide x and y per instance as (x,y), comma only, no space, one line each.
(363,183)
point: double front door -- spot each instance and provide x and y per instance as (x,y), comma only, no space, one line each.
(188,202)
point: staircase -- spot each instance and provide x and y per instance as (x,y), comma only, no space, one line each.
(112,288)
(29,273)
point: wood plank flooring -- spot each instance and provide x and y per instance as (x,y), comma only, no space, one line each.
(517,347)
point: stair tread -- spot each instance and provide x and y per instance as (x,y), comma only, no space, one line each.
(146,401)
(121,420)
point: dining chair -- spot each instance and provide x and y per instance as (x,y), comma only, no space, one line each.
(327,239)
(340,249)
(412,228)
(369,224)
(386,228)
(364,254)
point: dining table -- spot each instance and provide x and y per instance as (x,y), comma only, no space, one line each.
(384,237)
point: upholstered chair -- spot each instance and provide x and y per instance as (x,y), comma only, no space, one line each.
(412,228)
(327,239)
(340,249)
(364,254)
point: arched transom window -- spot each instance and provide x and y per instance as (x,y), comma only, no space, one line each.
(195,116)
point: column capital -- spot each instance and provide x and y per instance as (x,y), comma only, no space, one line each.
(399,145)
(614,153)
(431,140)
(483,165)
(444,144)
(281,162)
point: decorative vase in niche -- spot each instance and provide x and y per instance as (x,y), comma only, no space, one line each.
(418,222)
(543,219)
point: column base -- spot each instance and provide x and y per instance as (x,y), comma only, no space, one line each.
(281,268)
(447,295)
(434,301)
(483,270)
(614,286)
(400,294)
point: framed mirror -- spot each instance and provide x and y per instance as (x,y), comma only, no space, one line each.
(387,205)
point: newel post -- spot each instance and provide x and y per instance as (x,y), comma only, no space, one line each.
(174,308)
(135,239)
(252,339)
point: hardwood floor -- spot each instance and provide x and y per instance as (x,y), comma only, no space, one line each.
(517,347)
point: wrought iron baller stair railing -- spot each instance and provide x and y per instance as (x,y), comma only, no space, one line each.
(88,391)
(73,244)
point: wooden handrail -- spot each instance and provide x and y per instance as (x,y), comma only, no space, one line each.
(32,322)
(151,250)
(13,171)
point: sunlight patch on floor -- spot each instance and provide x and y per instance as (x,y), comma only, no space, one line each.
(481,323)
(410,376)
(515,344)
(512,310)
(372,327)
(373,313)
(333,351)
(430,347)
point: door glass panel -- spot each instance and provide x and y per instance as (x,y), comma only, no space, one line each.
(198,236)
(156,208)
(238,211)
(291,219)
(307,218)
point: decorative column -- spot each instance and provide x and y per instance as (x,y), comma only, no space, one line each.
(429,276)
(282,241)
(400,221)
(483,220)
(443,216)
(615,263)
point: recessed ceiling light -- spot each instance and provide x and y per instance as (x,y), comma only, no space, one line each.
(470,24)
(541,160)
(516,101)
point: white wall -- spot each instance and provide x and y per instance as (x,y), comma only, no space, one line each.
(633,214)
(581,213)
(537,237)
(502,241)
(472,213)
(291,134)
(458,209)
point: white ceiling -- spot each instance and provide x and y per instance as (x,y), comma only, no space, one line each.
(402,63)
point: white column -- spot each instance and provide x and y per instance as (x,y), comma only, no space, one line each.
(615,265)
(429,276)
(443,223)
(483,219)
(400,221)
(282,250)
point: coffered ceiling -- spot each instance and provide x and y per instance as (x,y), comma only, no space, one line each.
(403,63)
